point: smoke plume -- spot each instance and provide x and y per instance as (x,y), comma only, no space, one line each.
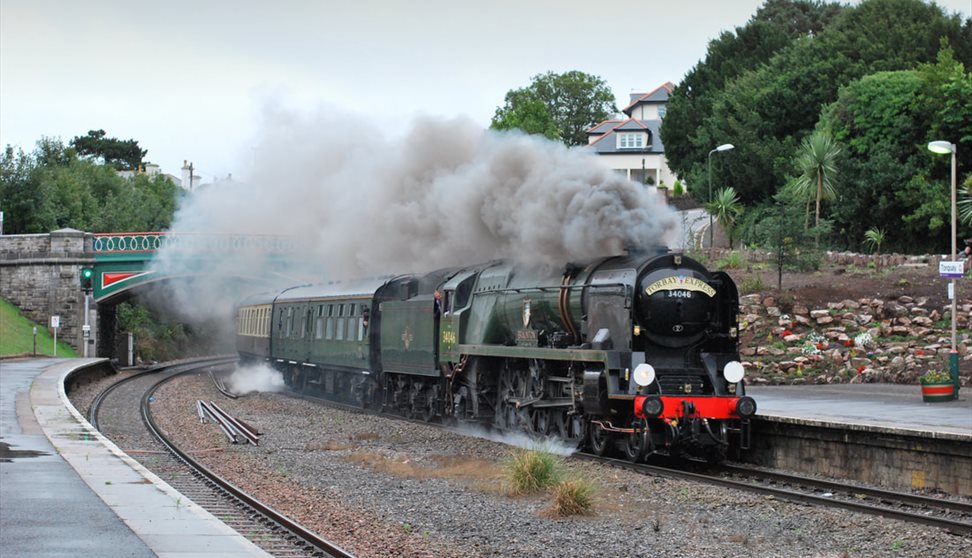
(355,202)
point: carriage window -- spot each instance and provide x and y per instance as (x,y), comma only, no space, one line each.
(290,322)
(329,329)
(319,328)
(352,309)
(339,335)
(361,329)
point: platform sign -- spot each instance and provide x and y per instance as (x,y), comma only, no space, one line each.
(55,323)
(951,269)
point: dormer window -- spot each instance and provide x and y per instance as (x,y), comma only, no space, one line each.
(631,140)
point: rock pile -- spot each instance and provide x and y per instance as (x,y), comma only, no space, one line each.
(864,340)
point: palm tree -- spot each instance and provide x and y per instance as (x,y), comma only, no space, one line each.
(873,238)
(965,203)
(817,163)
(725,207)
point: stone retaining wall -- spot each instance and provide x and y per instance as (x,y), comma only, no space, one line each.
(40,274)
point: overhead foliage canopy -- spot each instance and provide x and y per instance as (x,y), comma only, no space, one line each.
(765,98)
(558,106)
(51,188)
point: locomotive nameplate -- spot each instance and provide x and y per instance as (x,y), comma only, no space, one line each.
(527,338)
(680,283)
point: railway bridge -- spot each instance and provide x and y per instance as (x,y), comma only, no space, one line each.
(80,277)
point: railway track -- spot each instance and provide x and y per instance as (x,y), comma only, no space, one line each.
(952,516)
(123,413)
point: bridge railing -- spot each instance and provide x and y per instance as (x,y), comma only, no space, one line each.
(116,243)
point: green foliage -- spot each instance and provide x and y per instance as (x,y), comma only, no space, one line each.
(733,260)
(116,153)
(155,339)
(678,189)
(765,99)
(573,497)
(51,188)
(523,111)
(725,207)
(17,335)
(873,238)
(935,376)
(574,102)
(886,119)
(530,471)
(751,284)
(817,169)
(780,228)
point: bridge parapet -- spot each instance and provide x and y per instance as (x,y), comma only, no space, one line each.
(115,243)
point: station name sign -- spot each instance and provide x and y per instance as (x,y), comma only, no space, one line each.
(951,269)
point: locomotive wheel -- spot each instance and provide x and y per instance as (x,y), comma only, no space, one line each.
(428,411)
(569,427)
(637,444)
(541,422)
(601,440)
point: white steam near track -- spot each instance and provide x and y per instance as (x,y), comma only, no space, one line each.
(260,377)
(447,193)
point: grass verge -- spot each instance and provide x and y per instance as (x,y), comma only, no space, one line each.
(17,335)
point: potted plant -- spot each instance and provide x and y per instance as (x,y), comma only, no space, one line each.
(936,385)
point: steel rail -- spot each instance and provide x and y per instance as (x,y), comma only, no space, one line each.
(835,486)
(954,526)
(273,515)
(188,364)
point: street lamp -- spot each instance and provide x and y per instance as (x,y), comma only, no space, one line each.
(723,147)
(945,147)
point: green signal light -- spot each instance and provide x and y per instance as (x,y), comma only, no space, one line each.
(87,273)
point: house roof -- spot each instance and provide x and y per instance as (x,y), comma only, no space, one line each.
(658,95)
(603,127)
(603,146)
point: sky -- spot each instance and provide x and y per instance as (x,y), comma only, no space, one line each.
(193,80)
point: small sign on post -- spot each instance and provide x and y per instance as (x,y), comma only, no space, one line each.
(952,269)
(55,323)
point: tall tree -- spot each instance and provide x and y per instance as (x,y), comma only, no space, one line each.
(120,154)
(767,110)
(574,101)
(524,111)
(817,167)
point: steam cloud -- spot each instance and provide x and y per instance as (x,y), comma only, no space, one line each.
(447,193)
(248,379)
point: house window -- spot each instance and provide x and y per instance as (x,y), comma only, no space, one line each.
(661,111)
(631,140)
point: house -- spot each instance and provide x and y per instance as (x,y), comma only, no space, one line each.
(632,146)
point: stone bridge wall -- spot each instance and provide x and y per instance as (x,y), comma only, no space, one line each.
(40,274)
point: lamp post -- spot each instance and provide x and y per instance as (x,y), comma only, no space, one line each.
(723,147)
(944,147)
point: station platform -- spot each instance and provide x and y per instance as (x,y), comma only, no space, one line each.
(66,490)
(886,407)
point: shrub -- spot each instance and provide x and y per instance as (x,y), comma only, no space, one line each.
(935,376)
(573,497)
(752,284)
(733,260)
(532,471)
(677,189)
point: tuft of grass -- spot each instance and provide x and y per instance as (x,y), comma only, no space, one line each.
(752,284)
(573,497)
(530,471)
(733,260)
(17,335)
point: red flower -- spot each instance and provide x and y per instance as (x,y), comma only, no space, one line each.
(920,352)
(849,343)
(787,333)
(860,369)
(821,346)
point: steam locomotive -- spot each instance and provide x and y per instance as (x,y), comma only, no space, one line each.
(635,353)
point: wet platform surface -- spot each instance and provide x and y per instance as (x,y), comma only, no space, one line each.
(67,491)
(887,406)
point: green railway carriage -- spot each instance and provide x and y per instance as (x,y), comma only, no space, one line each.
(637,352)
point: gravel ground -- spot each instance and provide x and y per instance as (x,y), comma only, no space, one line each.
(382,488)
